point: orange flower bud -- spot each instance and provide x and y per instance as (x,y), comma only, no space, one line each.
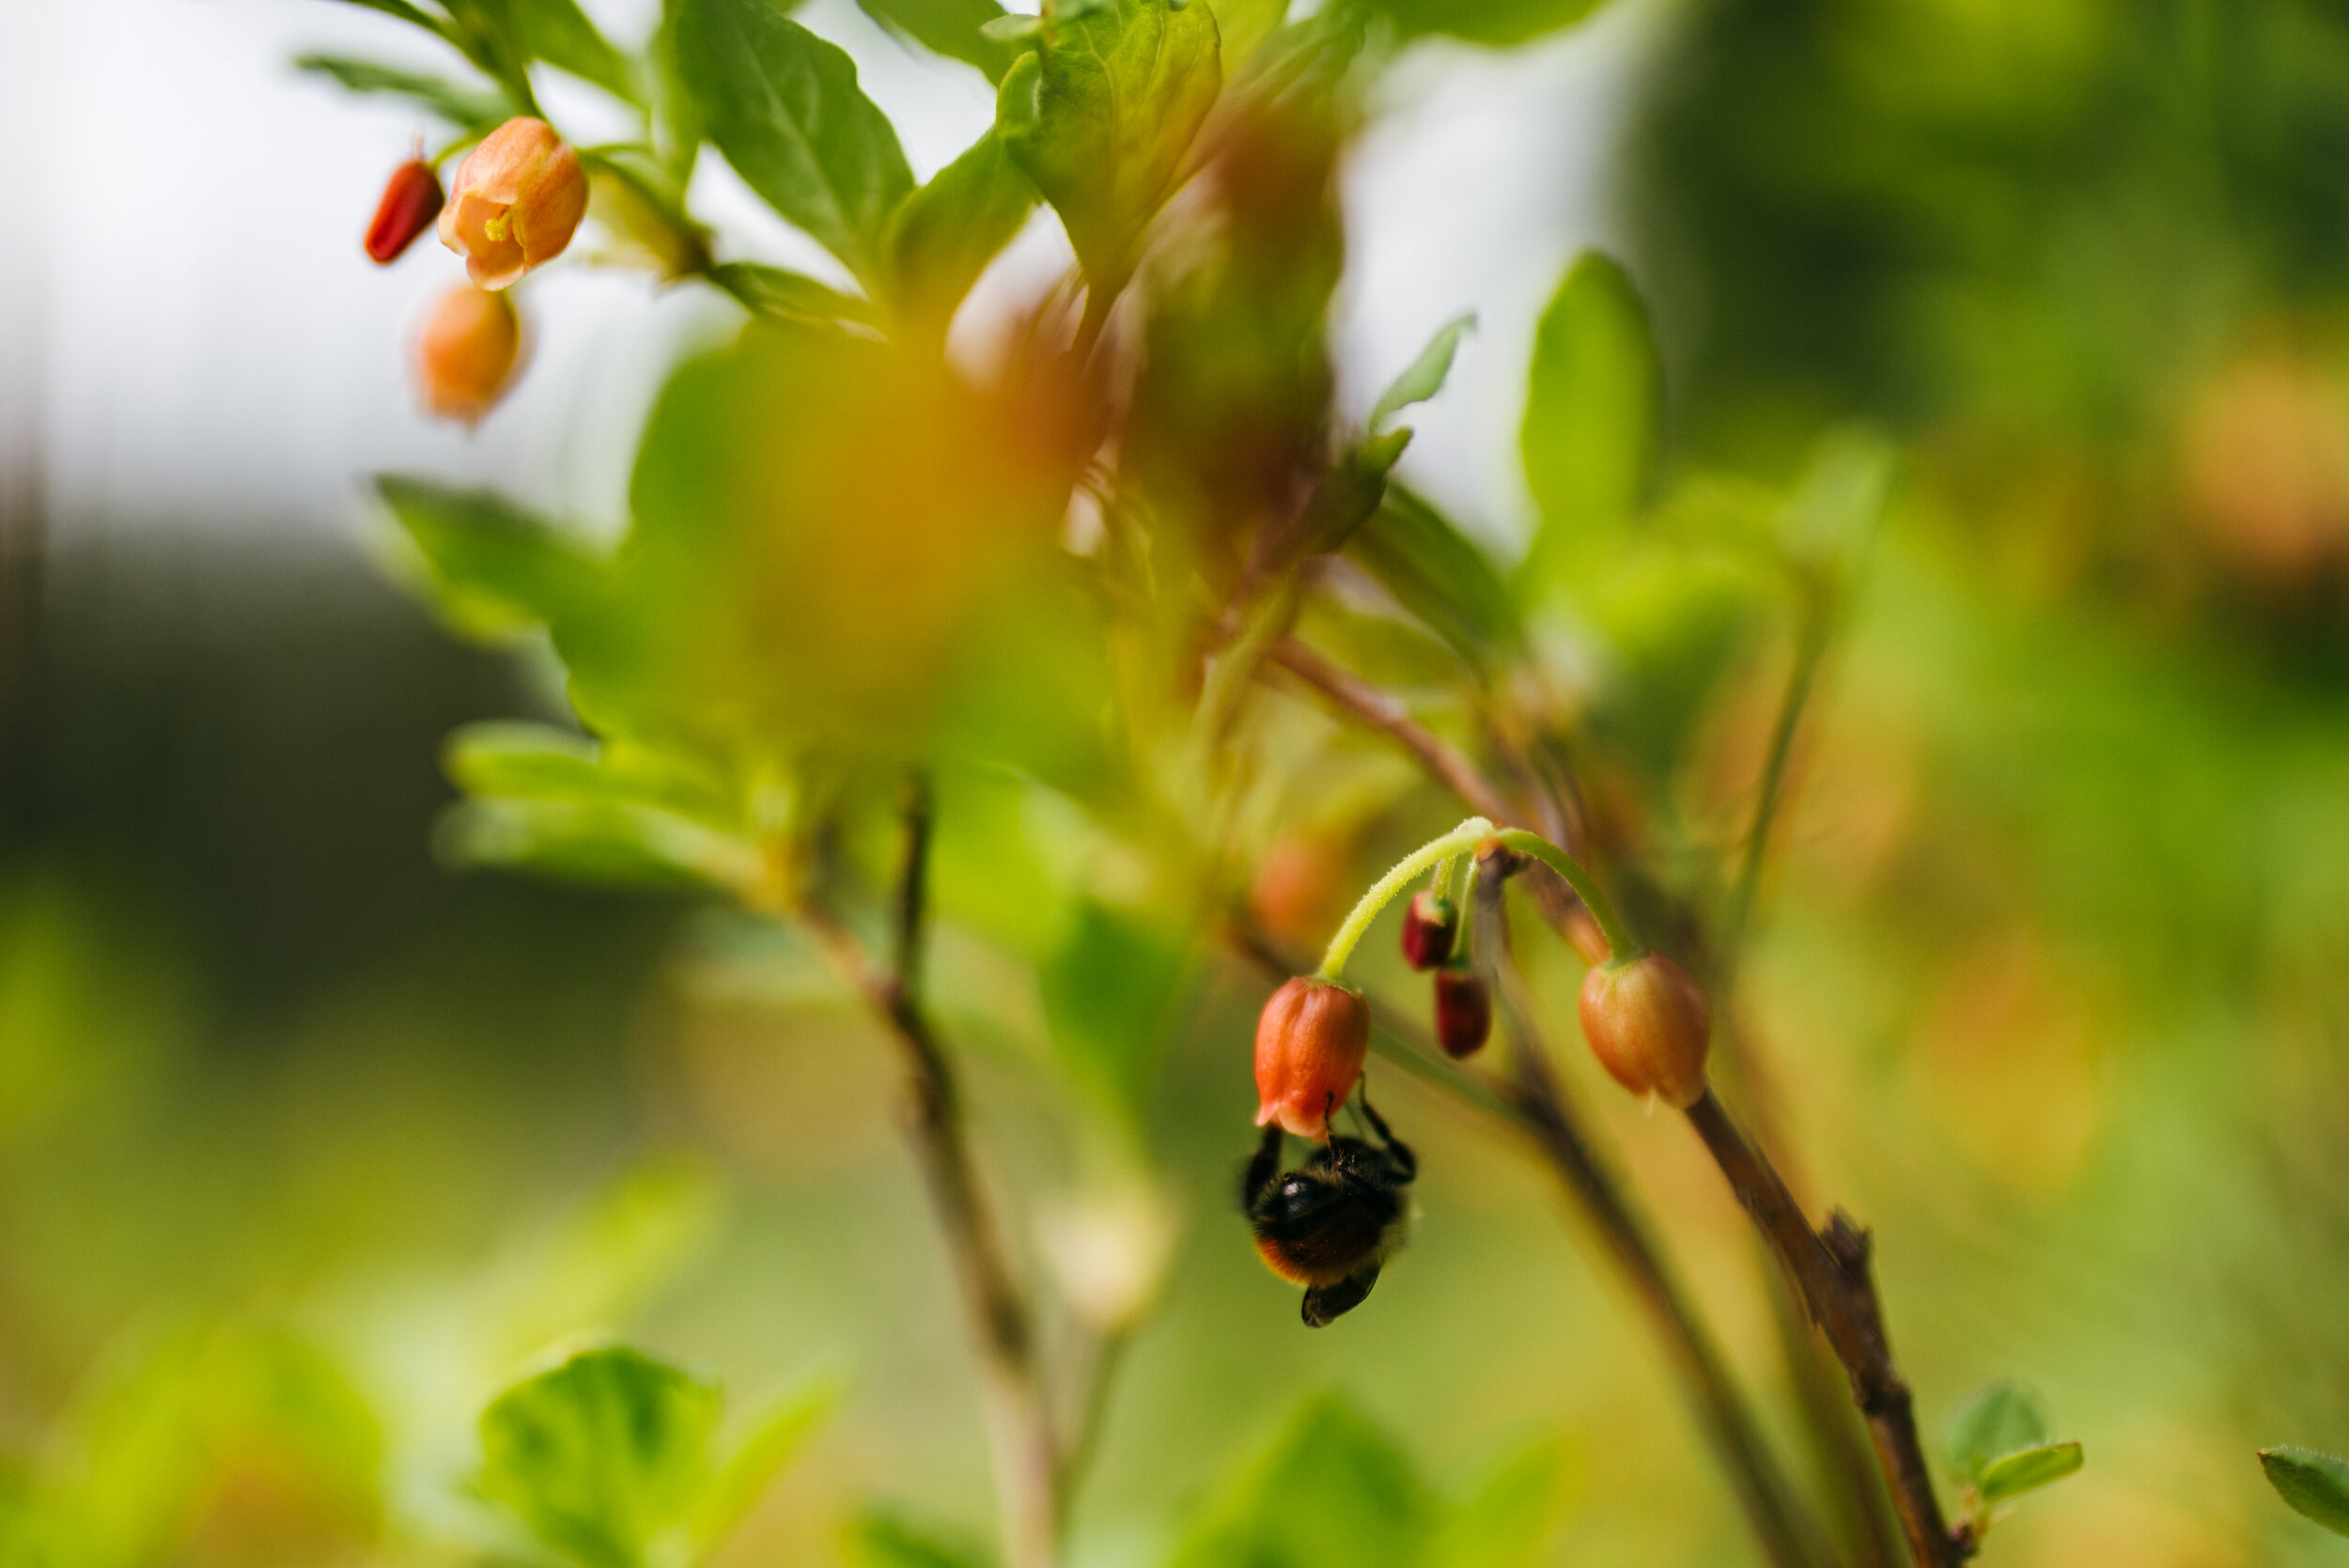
(1429,925)
(1464,1013)
(411,199)
(1310,1040)
(1649,1023)
(519,199)
(471,347)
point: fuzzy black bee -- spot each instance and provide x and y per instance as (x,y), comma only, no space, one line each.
(1331,1224)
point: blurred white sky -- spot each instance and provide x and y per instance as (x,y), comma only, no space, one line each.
(188,323)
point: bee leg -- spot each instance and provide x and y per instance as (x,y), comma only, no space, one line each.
(1263,1168)
(1398,1153)
(1324,1304)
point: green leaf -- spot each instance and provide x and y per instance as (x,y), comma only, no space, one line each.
(501,759)
(1496,23)
(1109,994)
(1348,494)
(788,296)
(1425,376)
(595,843)
(1437,574)
(1592,415)
(2027,1469)
(948,27)
(406,12)
(947,231)
(2315,1484)
(488,34)
(882,1539)
(1993,1422)
(784,108)
(772,1442)
(1244,24)
(1332,1488)
(493,567)
(1101,115)
(467,108)
(601,1454)
(559,33)
(1511,1514)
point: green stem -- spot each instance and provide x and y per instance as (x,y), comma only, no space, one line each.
(1461,840)
(1619,942)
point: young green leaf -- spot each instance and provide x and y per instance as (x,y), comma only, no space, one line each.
(952,28)
(2315,1484)
(1349,492)
(2025,1469)
(1495,23)
(1101,115)
(1109,994)
(784,108)
(595,843)
(1993,1423)
(772,1441)
(1332,1488)
(1244,24)
(1438,575)
(1425,376)
(1511,1512)
(487,33)
(467,108)
(406,12)
(503,759)
(1592,400)
(944,235)
(601,1454)
(788,296)
(882,1539)
(559,33)
(495,567)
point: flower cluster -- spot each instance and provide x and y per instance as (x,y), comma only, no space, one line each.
(519,197)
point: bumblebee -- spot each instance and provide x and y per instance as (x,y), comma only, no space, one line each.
(1331,1224)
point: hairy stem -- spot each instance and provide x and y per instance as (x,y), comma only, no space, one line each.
(1830,1269)
(1018,1414)
(1400,874)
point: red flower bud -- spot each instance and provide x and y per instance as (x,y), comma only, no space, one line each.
(471,347)
(519,196)
(1649,1023)
(1464,1013)
(1310,1040)
(1429,925)
(411,199)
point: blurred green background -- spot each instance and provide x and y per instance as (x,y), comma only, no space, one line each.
(2050,977)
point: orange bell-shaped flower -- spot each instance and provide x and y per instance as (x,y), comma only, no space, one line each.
(1649,1024)
(469,352)
(1310,1040)
(516,202)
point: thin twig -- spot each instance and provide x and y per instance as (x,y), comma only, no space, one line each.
(1019,1415)
(1083,1428)
(1811,642)
(1788,1535)
(1831,1267)
(1449,765)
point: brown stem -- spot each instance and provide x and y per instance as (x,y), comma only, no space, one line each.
(1019,1415)
(1728,1424)
(1830,1269)
(1449,765)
